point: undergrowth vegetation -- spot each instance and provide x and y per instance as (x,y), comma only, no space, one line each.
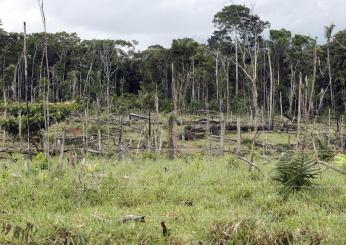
(201,199)
(295,172)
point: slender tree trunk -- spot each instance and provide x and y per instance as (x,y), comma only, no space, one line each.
(62,150)
(271,93)
(46,97)
(281,109)
(329,126)
(237,97)
(222,128)
(171,136)
(292,89)
(174,92)
(158,126)
(330,77)
(312,92)
(149,132)
(26,91)
(193,80)
(217,75)
(299,109)
(342,143)
(255,102)
(5,117)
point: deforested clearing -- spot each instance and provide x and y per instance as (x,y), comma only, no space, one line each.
(235,138)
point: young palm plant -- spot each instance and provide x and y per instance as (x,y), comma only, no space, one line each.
(295,172)
(325,153)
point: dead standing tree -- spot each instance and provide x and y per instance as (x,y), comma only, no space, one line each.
(250,72)
(107,54)
(239,24)
(171,136)
(46,93)
(26,89)
(328,35)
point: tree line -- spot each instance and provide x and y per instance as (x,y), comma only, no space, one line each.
(238,70)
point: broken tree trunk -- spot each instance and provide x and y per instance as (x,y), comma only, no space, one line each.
(62,150)
(171,136)
(138,117)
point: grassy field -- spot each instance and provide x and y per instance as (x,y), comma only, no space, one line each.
(201,199)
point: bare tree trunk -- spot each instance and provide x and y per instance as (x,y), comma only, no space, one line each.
(99,137)
(140,139)
(342,133)
(121,144)
(217,75)
(26,91)
(85,130)
(281,110)
(174,91)
(228,89)
(108,113)
(222,128)
(5,117)
(193,80)
(330,77)
(312,92)
(62,150)
(329,126)
(255,102)
(46,98)
(20,131)
(171,136)
(237,97)
(149,132)
(158,126)
(271,93)
(238,134)
(299,109)
(32,95)
(292,89)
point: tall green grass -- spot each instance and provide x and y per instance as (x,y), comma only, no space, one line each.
(201,199)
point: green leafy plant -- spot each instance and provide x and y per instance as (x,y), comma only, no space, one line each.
(40,161)
(325,153)
(295,172)
(233,162)
(340,160)
(33,116)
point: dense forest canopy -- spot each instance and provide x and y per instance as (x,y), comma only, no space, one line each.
(197,75)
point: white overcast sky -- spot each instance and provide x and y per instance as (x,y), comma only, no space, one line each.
(160,21)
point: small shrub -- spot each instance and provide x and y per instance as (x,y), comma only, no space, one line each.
(295,172)
(233,162)
(40,161)
(325,153)
(149,156)
(340,160)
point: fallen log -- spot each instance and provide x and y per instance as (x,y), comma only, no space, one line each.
(94,152)
(200,128)
(137,218)
(138,117)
